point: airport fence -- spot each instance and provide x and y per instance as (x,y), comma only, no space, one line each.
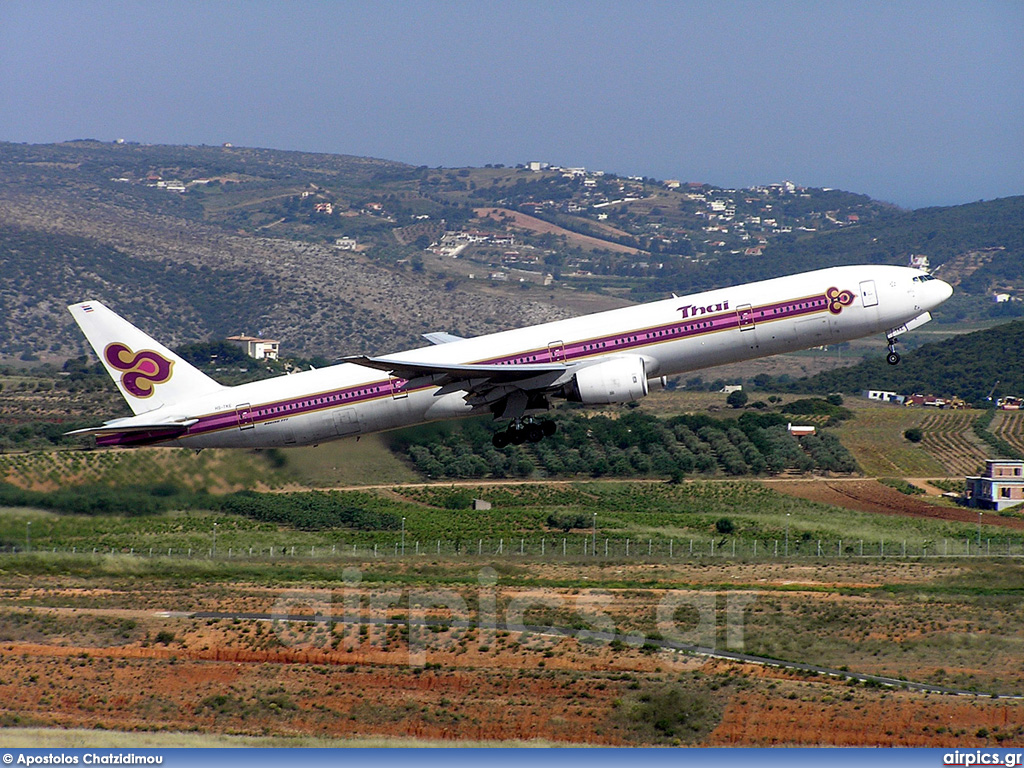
(582,548)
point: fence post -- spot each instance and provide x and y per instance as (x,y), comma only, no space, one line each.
(839,552)
(563,547)
(627,547)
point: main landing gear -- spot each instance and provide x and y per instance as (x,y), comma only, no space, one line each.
(893,357)
(523,431)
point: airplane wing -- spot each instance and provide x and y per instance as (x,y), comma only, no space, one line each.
(498,374)
(484,385)
(441,337)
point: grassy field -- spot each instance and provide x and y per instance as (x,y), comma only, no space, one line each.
(347,462)
(658,519)
(875,437)
(343,462)
(216,471)
(1009,425)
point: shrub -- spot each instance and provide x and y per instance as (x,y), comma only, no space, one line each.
(914,434)
(566,521)
(736,399)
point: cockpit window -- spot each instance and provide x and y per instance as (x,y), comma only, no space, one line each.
(923,278)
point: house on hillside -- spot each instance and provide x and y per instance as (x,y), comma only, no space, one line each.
(800,430)
(1001,485)
(259,349)
(883,396)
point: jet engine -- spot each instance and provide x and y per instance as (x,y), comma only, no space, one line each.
(619,380)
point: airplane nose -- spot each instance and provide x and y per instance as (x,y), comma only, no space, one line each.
(938,292)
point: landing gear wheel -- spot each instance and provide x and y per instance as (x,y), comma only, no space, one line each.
(549,428)
(499,440)
(517,435)
(893,357)
(534,432)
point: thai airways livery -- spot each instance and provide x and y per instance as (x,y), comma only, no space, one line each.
(610,357)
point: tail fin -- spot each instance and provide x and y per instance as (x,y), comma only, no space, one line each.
(148,375)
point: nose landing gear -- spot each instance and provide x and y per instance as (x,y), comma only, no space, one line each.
(893,357)
(523,431)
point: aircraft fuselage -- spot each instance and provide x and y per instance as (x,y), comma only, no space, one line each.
(671,336)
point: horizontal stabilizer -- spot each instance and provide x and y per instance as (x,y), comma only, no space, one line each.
(113,427)
(441,337)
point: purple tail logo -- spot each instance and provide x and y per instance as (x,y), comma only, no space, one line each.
(838,299)
(141,370)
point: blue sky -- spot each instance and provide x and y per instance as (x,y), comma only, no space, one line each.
(916,103)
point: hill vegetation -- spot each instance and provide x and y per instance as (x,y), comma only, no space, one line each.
(195,243)
(966,366)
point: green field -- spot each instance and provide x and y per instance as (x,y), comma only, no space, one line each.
(654,519)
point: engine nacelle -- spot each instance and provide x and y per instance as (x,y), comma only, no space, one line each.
(620,380)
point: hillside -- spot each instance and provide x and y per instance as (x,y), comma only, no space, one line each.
(965,366)
(335,254)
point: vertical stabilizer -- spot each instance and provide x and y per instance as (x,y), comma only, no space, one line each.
(148,375)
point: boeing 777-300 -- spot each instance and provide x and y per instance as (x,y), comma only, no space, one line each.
(610,357)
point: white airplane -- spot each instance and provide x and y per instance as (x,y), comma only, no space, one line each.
(610,357)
